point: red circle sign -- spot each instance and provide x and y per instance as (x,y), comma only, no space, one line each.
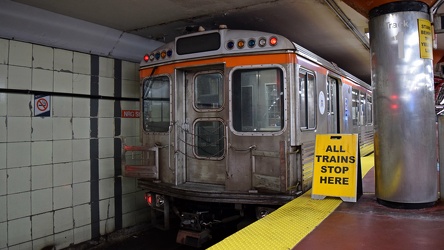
(42,104)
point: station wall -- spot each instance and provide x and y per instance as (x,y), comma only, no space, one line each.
(60,180)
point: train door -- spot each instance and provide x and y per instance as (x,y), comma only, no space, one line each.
(204,142)
(332,105)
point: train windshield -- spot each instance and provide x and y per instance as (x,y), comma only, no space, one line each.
(156,104)
(258,100)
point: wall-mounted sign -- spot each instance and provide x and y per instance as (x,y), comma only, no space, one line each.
(42,105)
(337,168)
(130,113)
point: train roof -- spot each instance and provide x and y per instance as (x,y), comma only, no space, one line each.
(230,42)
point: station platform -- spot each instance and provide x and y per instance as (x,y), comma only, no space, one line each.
(305,223)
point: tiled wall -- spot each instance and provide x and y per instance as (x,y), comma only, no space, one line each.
(59,175)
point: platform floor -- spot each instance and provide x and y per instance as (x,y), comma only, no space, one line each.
(305,223)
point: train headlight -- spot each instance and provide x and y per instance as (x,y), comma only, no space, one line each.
(262,42)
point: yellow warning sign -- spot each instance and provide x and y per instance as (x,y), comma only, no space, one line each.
(425,39)
(335,170)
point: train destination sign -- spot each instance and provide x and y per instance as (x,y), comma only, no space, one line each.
(337,167)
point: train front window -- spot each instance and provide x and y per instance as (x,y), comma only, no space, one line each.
(257,100)
(208,91)
(156,104)
(209,139)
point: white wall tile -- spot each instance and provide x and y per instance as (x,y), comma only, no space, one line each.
(41,152)
(63,60)
(41,177)
(63,82)
(2,156)
(63,220)
(22,246)
(129,127)
(82,215)
(106,67)
(128,203)
(107,226)
(62,174)
(81,128)
(19,180)
(106,188)
(42,80)
(130,71)
(3,75)
(82,234)
(3,209)
(128,185)
(130,88)
(41,201)
(3,182)
(19,77)
(82,63)
(42,225)
(106,168)
(106,108)
(62,151)
(4,51)
(64,239)
(43,57)
(81,193)
(3,131)
(61,106)
(19,205)
(19,129)
(81,84)
(80,150)
(81,107)
(62,128)
(20,53)
(62,197)
(106,86)
(19,231)
(142,215)
(41,243)
(106,147)
(107,209)
(106,127)
(41,128)
(3,104)
(18,154)
(81,171)
(19,105)
(3,233)
(128,219)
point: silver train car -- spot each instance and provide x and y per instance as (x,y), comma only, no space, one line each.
(228,125)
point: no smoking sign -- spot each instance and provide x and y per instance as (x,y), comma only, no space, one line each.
(42,105)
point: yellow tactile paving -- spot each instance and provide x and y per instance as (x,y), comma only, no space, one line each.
(289,224)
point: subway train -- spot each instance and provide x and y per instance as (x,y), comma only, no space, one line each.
(228,126)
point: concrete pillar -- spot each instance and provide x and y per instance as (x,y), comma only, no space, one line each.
(405,119)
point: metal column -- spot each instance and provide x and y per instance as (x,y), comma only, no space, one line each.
(405,126)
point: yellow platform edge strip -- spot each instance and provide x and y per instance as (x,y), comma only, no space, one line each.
(288,225)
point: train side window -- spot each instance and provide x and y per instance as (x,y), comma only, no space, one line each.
(156,104)
(369,110)
(258,100)
(355,106)
(307,93)
(208,91)
(362,111)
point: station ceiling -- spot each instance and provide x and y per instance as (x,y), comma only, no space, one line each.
(334,29)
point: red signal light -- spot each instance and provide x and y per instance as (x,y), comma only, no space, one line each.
(146,57)
(273,41)
(149,199)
